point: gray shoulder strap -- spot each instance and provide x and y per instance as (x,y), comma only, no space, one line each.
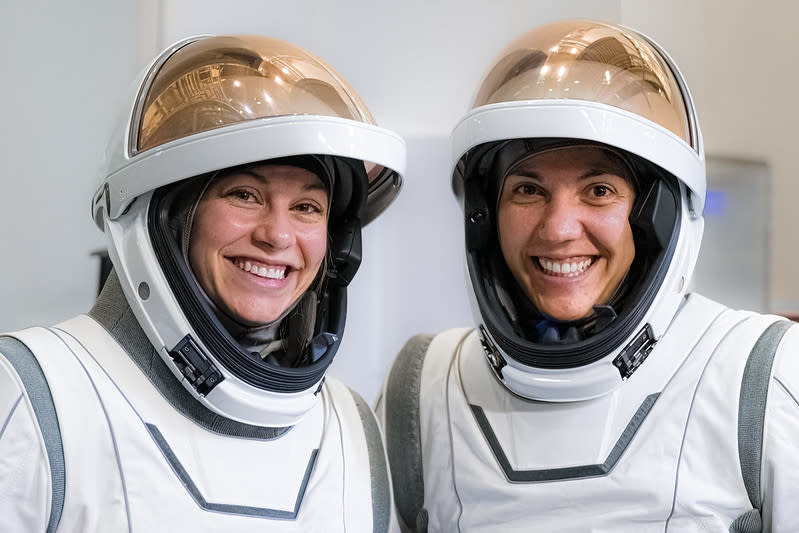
(403,432)
(29,371)
(751,417)
(381,496)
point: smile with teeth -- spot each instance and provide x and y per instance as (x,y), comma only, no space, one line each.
(565,268)
(270,272)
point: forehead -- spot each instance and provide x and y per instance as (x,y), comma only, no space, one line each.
(272,175)
(582,160)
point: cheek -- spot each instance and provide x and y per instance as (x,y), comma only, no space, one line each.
(627,247)
(507,226)
(314,245)
(200,239)
(514,230)
(614,233)
(212,228)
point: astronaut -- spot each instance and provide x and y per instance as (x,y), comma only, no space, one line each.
(192,397)
(596,392)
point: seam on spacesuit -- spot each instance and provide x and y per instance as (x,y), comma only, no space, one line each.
(41,400)
(454,362)
(381,497)
(570,472)
(105,414)
(244,510)
(779,382)
(10,414)
(330,405)
(721,341)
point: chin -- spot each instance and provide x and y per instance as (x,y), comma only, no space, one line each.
(565,315)
(254,317)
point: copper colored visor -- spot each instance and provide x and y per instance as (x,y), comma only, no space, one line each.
(590,61)
(218,81)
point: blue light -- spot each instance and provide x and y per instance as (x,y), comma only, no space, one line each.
(715,203)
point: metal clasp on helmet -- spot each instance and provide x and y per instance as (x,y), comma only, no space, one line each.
(493,356)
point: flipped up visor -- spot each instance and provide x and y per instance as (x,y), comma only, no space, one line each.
(215,82)
(593,62)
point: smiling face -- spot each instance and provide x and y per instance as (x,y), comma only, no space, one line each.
(258,238)
(564,230)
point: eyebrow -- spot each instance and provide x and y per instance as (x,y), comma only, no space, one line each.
(591,173)
(317,185)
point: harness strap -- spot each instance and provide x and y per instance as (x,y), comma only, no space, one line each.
(381,492)
(403,432)
(30,372)
(751,417)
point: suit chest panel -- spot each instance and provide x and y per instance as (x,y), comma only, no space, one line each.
(679,465)
(134,461)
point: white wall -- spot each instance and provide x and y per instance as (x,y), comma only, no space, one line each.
(740,61)
(64,69)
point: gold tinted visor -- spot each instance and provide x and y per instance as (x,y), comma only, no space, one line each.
(586,60)
(219,81)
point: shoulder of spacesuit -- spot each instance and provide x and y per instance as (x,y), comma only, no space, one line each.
(31,493)
(414,387)
(363,440)
(420,364)
(439,354)
(785,374)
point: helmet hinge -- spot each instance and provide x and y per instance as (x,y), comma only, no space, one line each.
(495,360)
(198,369)
(635,352)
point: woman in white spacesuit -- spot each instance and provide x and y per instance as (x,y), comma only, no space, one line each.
(596,393)
(192,397)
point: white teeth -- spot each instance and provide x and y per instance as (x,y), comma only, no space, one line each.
(263,272)
(570,269)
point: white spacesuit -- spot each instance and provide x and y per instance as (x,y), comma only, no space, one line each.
(660,411)
(154,412)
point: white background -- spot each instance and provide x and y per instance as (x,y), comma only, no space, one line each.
(416,63)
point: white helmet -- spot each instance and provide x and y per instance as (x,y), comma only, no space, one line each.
(210,103)
(579,82)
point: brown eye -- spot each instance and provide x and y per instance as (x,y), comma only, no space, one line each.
(307,208)
(242,195)
(600,191)
(526,189)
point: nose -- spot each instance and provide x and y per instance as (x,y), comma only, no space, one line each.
(561,220)
(275,228)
